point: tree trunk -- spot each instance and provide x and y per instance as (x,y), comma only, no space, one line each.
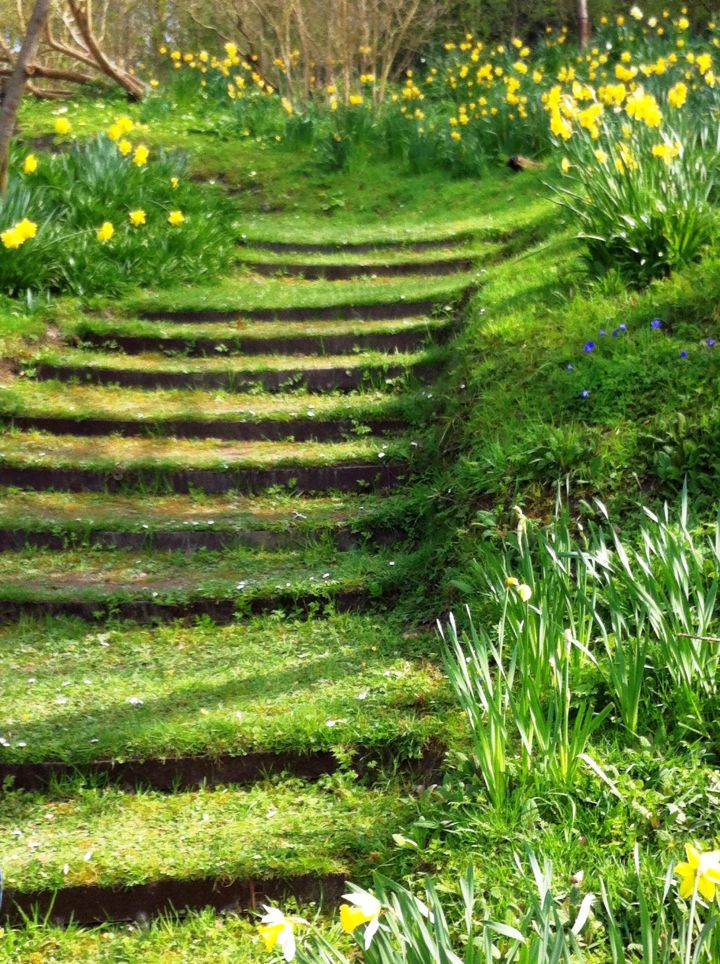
(15,86)
(583,23)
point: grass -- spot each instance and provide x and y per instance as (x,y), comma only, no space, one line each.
(256,363)
(423,260)
(239,575)
(242,292)
(226,334)
(112,454)
(55,399)
(82,512)
(272,684)
(281,830)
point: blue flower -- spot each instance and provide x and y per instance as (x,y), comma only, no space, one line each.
(571,368)
(602,332)
(710,342)
(622,328)
(616,332)
(585,393)
(656,323)
(683,354)
(589,346)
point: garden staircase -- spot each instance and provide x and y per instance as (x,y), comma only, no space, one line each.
(195,543)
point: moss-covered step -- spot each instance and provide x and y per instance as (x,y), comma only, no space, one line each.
(242,297)
(274,373)
(43,461)
(59,520)
(364,241)
(178,706)
(97,410)
(134,336)
(97,854)
(95,585)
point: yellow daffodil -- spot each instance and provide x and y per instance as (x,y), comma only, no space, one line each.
(16,236)
(62,126)
(276,929)
(125,147)
(511,581)
(105,231)
(114,132)
(701,871)
(31,164)
(137,217)
(176,218)
(524,592)
(565,165)
(140,157)
(174,182)
(677,95)
(362,908)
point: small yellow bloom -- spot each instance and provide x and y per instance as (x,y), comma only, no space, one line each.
(701,871)
(11,239)
(26,229)
(600,156)
(511,581)
(114,132)
(565,165)
(176,218)
(31,164)
(677,95)
(105,231)
(140,157)
(174,182)
(276,929)
(524,592)
(125,147)
(137,217)
(154,83)
(62,126)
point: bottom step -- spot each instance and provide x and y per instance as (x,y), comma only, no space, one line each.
(104,854)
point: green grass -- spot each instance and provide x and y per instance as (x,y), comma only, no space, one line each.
(55,399)
(349,682)
(269,830)
(250,364)
(111,453)
(205,937)
(82,327)
(424,259)
(244,292)
(239,575)
(276,511)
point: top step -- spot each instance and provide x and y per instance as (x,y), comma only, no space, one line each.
(362,247)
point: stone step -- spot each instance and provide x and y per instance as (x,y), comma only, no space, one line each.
(58,520)
(44,462)
(224,587)
(342,373)
(266,338)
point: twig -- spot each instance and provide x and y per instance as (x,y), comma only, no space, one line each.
(704,639)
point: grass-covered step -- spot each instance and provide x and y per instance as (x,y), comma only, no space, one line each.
(175,705)
(140,586)
(203,937)
(98,410)
(382,248)
(275,373)
(57,520)
(241,296)
(258,338)
(95,854)
(364,257)
(43,461)
(343,271)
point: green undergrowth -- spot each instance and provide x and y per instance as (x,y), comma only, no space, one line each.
(270,830)
(350,683)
